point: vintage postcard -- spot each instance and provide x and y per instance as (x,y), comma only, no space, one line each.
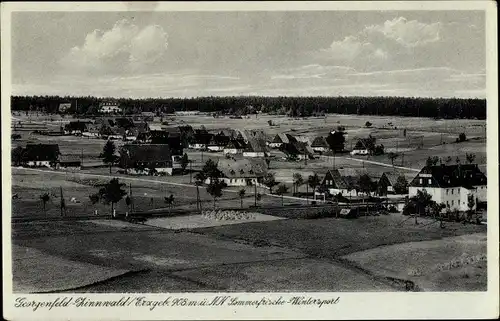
(250,160)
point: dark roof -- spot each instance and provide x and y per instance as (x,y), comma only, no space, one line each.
(362,143)
(297,148)
(256,145)
(346,178)
(41,152)
(202,137)
(147,153)
(242,168)
(392,177)
(76,125)
(219,140)
(281,138)
(463,175)
(319,141)
(236,144)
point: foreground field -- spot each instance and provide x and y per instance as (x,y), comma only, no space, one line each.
(434,265)
(280,255)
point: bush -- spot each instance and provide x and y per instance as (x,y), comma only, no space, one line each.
(393,209)
(461,137)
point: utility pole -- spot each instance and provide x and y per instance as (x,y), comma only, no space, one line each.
(190,172)
(130,193)
(63,205)
(255,193)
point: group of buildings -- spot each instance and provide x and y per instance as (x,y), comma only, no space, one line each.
(149,150)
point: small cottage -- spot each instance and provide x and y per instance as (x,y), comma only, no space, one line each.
(320,145)
(40,155)
(242,172)
(150,159)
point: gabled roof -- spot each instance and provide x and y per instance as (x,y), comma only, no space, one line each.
(219,140)
(202,137)
(392,177)
(256,134)
(297,148)
(227,132)
(41,152)
(256,145)
(242,168)
(319,141)
(346,178)
(281,138)
(235,144)
(147,153)
(466,175)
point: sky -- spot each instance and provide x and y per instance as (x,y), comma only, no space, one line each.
(294,53)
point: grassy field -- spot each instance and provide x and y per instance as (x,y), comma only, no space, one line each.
(428,262)
(331,237)
(147,195)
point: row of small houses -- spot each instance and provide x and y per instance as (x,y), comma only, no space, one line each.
(250,143)
(451,185)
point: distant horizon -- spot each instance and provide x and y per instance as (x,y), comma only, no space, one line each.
(242,96)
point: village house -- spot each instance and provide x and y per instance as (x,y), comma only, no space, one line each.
(91,131)
(344,181)
(297,150)
(231,133)
(386,183)
(256,148)
(200,140)
(241,172)
(234,146)
(319,145)
(451,185)
(110,108)
(40,155)
(281,139)
(361,147)
(217,143)
(75,128)
(248,134)
(142,159)
(64,107)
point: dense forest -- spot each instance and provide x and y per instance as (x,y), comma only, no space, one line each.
(291,106)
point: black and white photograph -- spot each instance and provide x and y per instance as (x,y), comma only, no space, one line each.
(249,151)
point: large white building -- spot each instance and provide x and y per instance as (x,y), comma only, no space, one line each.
(451,185)
(110,108)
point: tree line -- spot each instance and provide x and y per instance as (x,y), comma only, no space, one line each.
(445,108)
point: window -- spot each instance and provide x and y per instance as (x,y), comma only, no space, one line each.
(452,191)
(447,191)
(430,181)
(452,202)
(447,203)
(421,181)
